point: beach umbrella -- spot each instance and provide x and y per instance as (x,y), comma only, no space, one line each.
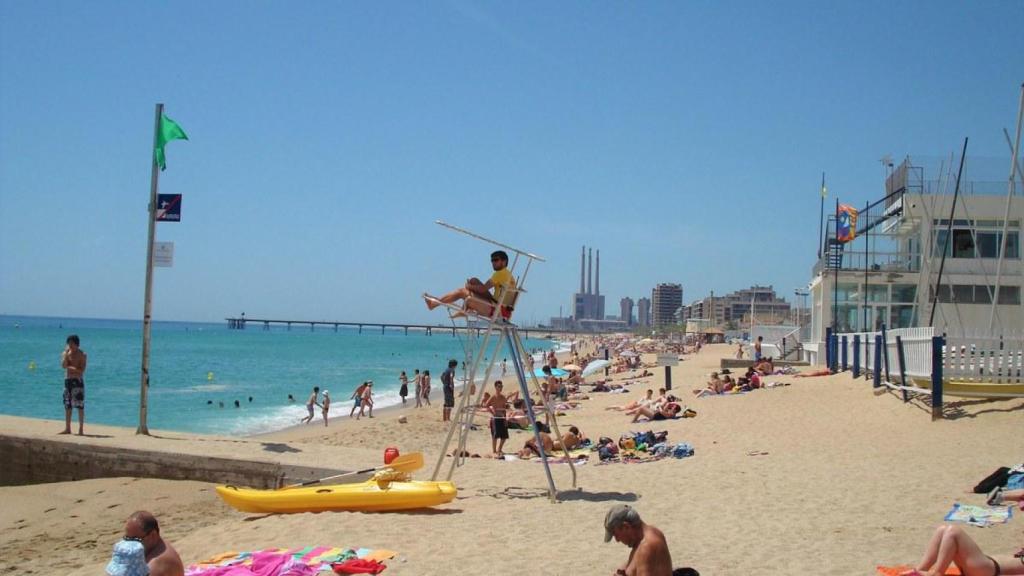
(595,367)
(571,367)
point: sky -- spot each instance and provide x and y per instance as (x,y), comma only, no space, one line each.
(685,140)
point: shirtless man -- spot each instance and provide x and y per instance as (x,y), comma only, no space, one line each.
(477,296)
(310,402)
(357,398)
(162,558)
(530,448)
(649,554)
(366,400)
(570,440)
(73,361)
(496,405)
(418,381)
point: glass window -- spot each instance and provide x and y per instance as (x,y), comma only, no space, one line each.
(939,243)
(901,316)
(846,318)
(963,244)
(982,294)
(1009,294)
(945,293)
(904,293)
(878,293)
(963,293)
(847,293)
(1013,245)
(988,244)
(989,223)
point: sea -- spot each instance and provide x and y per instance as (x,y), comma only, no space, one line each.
(199,371)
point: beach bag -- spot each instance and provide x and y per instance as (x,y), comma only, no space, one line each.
(993,481)
(685,572)
(682,450)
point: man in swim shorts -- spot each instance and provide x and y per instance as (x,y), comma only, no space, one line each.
(448,387)
(310,402)
(496,405)
(73,360)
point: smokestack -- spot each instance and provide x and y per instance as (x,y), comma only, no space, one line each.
(590,270)
(597,275)
(583,267)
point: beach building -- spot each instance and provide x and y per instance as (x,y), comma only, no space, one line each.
(626,310)
(643,312)
(666,300)
(757,304)
(889,273)
(588,303)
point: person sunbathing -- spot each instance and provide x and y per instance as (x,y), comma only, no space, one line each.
(814,373)
(570,440)
(516,417)
(714,386)
(530,447)
(645,401)
(951,545)
(667,412)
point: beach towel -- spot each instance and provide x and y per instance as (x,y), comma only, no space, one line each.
(358,566)
(979,515)
(283,561)
(1015,482)
(896,570)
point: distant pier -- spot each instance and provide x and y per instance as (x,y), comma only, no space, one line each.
(241,322)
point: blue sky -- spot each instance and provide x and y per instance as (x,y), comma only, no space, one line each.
(686,140)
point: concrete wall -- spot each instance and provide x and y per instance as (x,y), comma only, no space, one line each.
(36,461)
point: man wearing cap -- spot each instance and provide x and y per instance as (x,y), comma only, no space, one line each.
(448,387)
(162,558)
(649,555)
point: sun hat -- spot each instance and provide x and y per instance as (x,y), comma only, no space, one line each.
(326,393)
(129,559)
(616,516)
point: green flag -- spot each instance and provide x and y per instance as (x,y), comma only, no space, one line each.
(169,130)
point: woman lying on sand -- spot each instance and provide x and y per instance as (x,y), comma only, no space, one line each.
(951,545)
(667,412)
(645,401)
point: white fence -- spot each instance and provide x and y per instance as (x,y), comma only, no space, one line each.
(989,360)
(964,359)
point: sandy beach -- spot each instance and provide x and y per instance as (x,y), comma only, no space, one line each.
(821,476)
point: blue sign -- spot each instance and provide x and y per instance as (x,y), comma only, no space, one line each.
(168,208)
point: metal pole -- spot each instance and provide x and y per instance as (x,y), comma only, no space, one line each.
(949,236)
(1006,215)
(148,306)
(821,218)
(938,343)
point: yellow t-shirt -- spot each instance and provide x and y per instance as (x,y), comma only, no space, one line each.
(503,281)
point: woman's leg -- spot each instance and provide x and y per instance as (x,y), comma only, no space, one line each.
(950,544)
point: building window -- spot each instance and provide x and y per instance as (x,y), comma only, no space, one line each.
(904,293)
(902,316)
(1009,295)
(963,244)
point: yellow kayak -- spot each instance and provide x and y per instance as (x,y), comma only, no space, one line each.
(369,496)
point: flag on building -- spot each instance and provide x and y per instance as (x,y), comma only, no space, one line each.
(846,223)
(169,130)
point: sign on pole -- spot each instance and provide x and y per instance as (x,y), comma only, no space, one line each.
(668,359)
(168,208)
(163,254)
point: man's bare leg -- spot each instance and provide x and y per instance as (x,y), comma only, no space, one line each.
(473,287)
(81,421)
(67,421)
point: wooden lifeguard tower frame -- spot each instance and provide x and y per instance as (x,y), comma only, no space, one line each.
(507,334)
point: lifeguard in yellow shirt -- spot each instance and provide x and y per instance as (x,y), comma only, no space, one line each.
(481,297)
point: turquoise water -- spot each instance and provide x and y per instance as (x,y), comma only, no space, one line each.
(195,367)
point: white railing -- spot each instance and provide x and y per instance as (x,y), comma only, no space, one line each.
(991,360)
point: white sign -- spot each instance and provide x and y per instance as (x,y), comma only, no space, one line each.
(163,254)
(668,359)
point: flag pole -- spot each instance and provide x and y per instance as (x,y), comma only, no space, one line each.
(821,217)
(148,307)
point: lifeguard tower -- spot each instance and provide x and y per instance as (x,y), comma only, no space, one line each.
(499,331)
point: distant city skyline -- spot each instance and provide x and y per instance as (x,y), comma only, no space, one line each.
(686,140)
